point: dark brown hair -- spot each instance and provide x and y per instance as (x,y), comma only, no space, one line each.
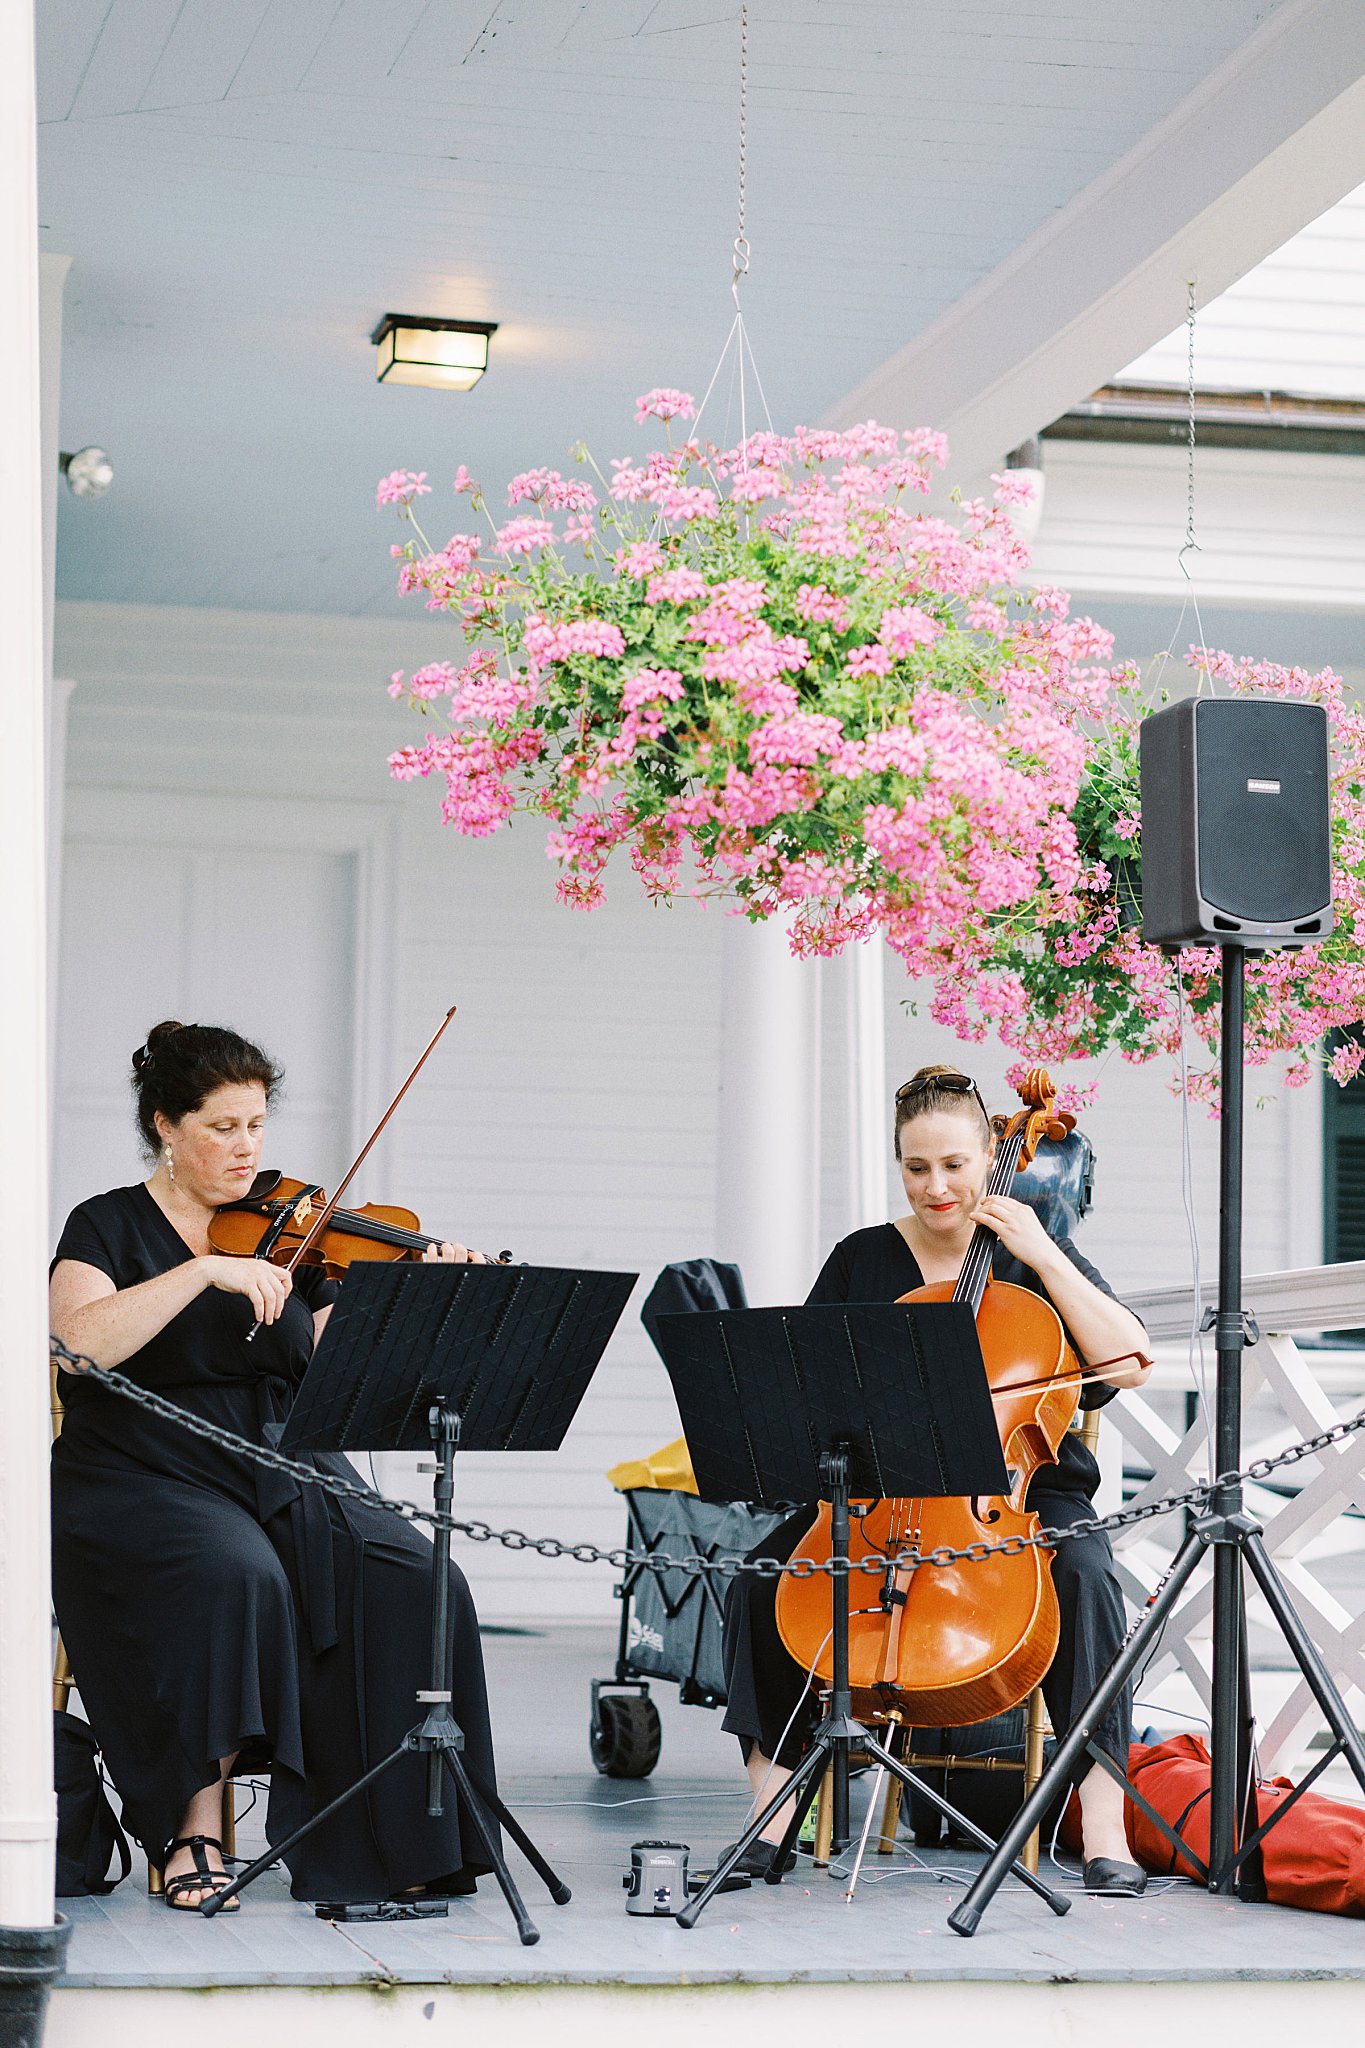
(180,1066)
(920,1097)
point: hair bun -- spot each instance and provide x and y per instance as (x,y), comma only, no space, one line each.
(156,1038)
(179,1067)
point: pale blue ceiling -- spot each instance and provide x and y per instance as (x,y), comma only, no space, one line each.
(243,186)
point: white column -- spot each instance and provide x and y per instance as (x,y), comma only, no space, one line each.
(768,1153)
(57,721)
(52,272)
(27,1805)
(869,1111)
(51,285)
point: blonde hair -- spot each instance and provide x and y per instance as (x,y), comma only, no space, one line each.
(924,1095)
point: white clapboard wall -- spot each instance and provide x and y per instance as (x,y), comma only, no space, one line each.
(1274,528)
(1296,322)
(571,1112)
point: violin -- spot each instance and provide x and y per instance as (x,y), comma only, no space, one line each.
(294,1223)
(955,1645)
(275,1220)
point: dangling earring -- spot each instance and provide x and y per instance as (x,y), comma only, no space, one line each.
(170,1162)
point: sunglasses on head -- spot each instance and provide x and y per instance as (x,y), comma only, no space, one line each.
(946,1084)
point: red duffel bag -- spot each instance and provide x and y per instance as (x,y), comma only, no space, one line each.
(1314,1857)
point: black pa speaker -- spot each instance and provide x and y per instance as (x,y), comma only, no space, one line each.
(1236,828)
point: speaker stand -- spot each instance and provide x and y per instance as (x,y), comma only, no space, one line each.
(1237,1542)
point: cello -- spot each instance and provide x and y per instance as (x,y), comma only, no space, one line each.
(942,1646)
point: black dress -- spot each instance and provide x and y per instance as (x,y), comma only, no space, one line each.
(210,1606)
(766,1689)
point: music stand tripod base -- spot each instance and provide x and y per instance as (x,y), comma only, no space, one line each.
(439,1738)
(494,1358)
(833,1742)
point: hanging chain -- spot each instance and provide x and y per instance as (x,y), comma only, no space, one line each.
(622,1558)
(1191,308)
(741,244)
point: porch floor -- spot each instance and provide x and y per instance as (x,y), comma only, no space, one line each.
(803,1931)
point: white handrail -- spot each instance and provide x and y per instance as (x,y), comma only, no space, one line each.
(1306,1298)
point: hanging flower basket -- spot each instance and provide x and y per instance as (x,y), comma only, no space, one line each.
(765,673)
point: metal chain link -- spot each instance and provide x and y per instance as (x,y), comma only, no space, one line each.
(741,243)
(622,1558)
(1191,308)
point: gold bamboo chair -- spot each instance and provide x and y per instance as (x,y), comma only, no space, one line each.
(63,1680)
(1036,1731)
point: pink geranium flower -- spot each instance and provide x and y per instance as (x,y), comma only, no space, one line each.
(781,684)
(523,536)
(401,486)
(663,403)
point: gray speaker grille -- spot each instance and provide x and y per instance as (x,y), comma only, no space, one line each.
(1263,790)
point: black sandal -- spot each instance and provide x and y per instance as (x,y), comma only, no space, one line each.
(203,1878)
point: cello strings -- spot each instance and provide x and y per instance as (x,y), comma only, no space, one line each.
(981,1251)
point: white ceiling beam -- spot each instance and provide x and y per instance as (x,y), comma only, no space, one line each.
(1271,139)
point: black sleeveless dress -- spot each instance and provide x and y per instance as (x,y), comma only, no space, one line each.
(210,1606)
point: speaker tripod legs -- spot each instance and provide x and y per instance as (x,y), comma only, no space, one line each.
(1069,1751)
(1305,1653)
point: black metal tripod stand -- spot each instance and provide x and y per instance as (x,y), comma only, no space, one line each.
(1236,1540)
(838,1735)
(439,1737)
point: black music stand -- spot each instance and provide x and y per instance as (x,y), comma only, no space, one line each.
(869,1401)
(486,1358)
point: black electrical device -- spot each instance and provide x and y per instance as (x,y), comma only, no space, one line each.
(1236,835)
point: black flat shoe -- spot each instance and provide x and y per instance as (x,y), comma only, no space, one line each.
(1114,1880)
(756,1860)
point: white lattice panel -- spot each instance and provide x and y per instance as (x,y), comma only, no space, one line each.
(1301,1532)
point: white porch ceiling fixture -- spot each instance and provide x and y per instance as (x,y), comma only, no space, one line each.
(447,355)
(963,215)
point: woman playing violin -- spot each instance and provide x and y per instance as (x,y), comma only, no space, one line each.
(221,1618)
(944,1142)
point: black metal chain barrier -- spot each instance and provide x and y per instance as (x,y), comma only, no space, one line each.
(620,1559)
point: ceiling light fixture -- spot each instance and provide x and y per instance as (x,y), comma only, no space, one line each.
(450,354)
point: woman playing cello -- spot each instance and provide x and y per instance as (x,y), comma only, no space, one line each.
(944,1143)
(221,1617)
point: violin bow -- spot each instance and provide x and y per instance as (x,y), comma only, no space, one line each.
(328,1210)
